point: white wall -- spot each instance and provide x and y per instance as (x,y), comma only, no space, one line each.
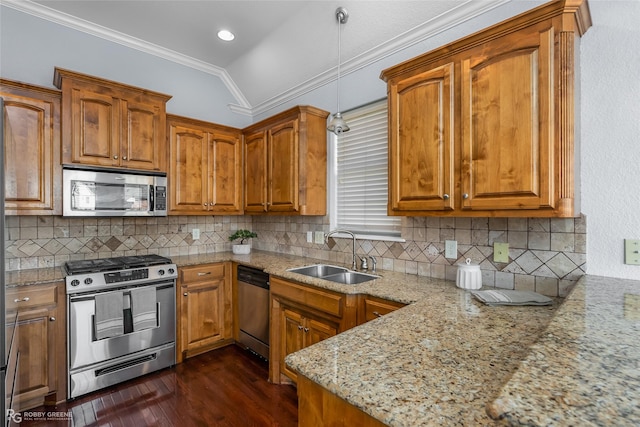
(610,106)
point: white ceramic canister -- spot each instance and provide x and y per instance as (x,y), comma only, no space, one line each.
(469,275)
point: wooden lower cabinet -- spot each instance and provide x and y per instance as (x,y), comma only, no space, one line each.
(317,406)
(204,309)
(373,307)
(40,334)
(302,315)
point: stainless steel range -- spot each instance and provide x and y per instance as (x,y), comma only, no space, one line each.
(120,320)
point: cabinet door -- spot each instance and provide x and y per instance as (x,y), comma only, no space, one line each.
(507,116)
(292,338)
(95,128)
(255,172)
(283,168)
(421,141)
(142,139)
(203,314)
(36,364)
(187,170)
(225,173)
(32,153)
(317,330)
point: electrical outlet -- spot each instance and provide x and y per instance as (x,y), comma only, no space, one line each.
(501,252)
(195,233)
(309,236)
(451,249)
(632,251)
(319,237)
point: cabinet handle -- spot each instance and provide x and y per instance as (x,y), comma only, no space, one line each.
(306,329)
(124,157)
(52,319)
(25,299)
(375,313)
(185,294)
(204,274)
(445,196)
(115,157)
(465,196)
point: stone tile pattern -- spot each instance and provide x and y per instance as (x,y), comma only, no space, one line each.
(47,241)
(546,255)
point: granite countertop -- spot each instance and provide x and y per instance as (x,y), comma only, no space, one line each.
(447,359)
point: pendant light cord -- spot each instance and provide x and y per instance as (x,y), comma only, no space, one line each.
(339,60)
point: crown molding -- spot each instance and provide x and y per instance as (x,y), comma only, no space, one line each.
(450,19)
(439,24)
(96,30)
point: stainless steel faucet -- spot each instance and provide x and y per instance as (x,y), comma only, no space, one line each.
(354,266)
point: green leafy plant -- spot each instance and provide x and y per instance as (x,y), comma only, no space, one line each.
(242,235)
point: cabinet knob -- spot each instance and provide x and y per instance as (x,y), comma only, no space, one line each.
(185,294)
(375,313)
(115,157)
(306,329)
(52,319)
(445,196)
(299,327)
(205,205)
(465,196)
(124,157)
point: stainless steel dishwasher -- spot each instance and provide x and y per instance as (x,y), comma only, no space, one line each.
(253,309)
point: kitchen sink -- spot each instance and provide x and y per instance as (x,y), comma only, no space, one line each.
(334,274)
(318,270)
(350,277)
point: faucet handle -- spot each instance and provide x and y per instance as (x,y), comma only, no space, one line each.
(374,263)
(364,265)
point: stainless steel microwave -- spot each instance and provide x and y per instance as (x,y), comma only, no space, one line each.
(110,192)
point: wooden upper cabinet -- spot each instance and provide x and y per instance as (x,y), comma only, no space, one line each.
(32,149)
(110,124)
(485,126)
(421,143)
(507,123)
(286,163)
(205,168)
(283,164)
(255,172)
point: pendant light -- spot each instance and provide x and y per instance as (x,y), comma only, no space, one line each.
(337,124)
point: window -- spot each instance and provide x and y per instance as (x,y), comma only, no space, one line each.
(360,175)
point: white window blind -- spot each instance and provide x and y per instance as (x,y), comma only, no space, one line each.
(362,173)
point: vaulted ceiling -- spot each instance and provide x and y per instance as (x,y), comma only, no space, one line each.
(281,47)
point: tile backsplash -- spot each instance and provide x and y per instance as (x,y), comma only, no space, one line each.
(545,255)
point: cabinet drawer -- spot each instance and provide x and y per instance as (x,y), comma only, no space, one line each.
(202,272)
(23,297)
(317,299)
(375,308)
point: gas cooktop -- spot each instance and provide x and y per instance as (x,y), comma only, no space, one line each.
(111,264)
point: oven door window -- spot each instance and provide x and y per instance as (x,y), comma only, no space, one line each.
(95,196)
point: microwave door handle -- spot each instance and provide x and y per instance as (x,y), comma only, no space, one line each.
(152,192)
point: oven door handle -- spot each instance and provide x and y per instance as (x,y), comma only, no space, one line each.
(83,297)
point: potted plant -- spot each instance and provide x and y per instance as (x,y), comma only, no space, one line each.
(242,247)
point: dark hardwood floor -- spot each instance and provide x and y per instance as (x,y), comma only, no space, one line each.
(224,387)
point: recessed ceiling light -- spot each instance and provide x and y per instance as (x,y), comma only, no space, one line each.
(226,35)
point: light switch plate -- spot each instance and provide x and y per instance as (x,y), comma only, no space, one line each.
(501,252)
(632,251)
(195,233)
(309,236)
(451,249)
(319,236)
